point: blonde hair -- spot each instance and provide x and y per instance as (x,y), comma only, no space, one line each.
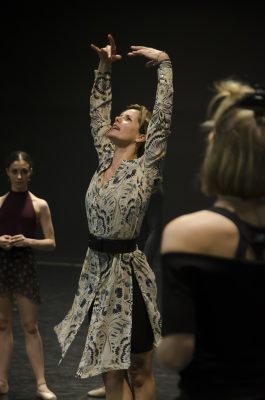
(144,118)
(234,163)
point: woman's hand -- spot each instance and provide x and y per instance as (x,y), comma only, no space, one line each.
(19,241)
(5,242)
(155,56)
(107,54)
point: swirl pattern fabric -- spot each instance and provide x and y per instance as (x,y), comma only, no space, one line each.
(115,211)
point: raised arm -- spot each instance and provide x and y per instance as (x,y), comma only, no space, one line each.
(101,96)
(159,126)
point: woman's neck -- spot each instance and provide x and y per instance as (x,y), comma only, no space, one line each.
(122,154)
(250,210)
(19,189)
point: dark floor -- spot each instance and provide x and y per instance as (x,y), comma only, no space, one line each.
(58,286)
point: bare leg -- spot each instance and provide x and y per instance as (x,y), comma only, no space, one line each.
(100,392)
(29,321)
(142,377)
(6,341)
(117,386)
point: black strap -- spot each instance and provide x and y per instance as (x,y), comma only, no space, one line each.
(248,235)
(112,245)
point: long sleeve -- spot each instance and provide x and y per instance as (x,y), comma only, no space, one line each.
(159,126)
(100,112)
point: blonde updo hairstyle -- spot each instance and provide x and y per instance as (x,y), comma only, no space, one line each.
(144,119)
(234,163)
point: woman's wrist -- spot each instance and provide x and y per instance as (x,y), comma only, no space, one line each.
(162,56)
(104,66)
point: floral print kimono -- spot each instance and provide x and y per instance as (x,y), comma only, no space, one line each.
(115,210)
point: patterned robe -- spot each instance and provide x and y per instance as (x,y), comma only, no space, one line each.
(115,210)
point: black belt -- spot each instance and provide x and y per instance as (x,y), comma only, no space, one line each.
(112,245)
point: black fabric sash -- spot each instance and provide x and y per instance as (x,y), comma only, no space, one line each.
(111,245)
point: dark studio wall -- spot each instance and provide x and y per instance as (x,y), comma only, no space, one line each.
(47,72)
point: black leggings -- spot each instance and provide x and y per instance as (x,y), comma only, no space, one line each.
(142,333)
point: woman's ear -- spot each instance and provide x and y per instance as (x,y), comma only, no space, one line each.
(140,139)
(211,137)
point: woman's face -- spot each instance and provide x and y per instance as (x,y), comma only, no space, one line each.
(125,129)
(19,173)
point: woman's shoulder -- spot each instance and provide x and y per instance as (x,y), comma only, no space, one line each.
(2,198)
(39,202)
(202,231)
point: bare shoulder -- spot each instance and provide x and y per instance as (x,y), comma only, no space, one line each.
(182,228)
(39,204)
(2,199)
(198,232)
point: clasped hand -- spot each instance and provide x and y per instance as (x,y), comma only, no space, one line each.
(8,241)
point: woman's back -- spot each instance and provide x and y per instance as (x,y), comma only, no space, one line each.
(221,300)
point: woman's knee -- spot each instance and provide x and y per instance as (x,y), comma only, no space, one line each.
(6,314)
(30,327)
(113,378)
(140,369)
(5,324)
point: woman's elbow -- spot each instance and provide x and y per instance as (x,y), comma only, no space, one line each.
(176,351)
(52,245)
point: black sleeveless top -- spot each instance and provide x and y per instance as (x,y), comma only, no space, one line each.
(17,215)
(249,235)
(222,302)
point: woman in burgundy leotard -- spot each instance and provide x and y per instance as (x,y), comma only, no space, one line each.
(20,213)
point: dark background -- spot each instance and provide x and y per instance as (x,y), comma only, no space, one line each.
(47,73)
